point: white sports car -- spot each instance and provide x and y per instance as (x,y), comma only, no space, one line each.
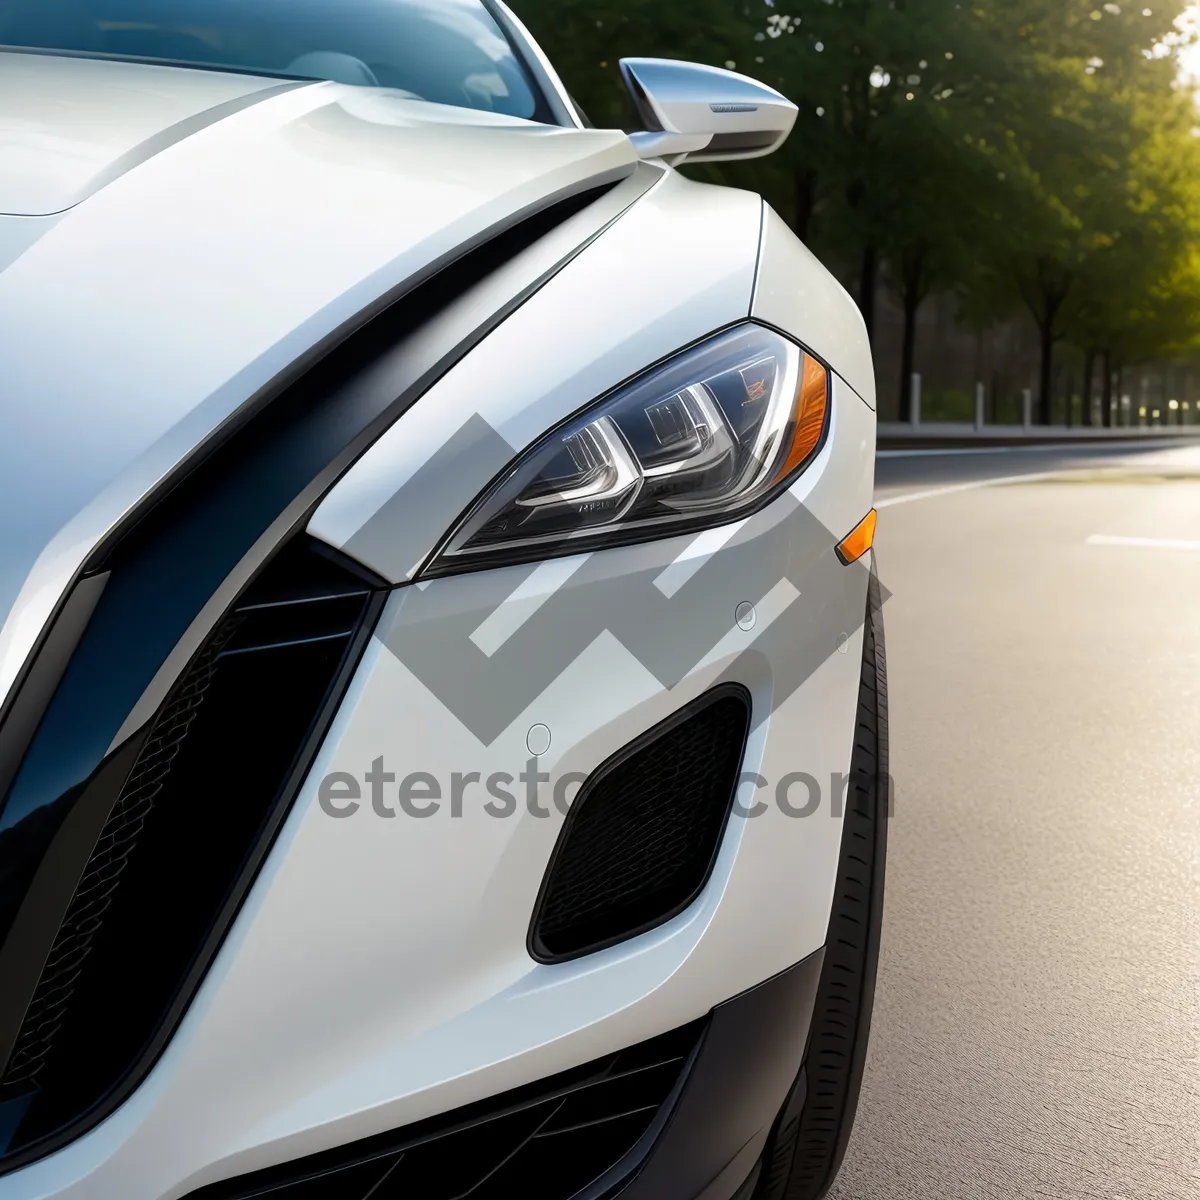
(443,729)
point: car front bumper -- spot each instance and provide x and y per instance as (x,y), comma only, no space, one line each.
(378,972)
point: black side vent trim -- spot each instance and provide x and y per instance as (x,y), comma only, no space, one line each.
(642,836)
(580,1134)
(212,779)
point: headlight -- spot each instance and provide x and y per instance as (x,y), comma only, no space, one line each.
(697,442)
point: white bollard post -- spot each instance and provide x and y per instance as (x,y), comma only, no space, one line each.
(916,398)
(1027,408)
(980,414)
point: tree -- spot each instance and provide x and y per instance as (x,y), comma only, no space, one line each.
(1139,295)
(1023,154)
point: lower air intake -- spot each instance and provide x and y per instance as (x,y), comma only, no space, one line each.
(211,778)
(642,835)
(579,1134)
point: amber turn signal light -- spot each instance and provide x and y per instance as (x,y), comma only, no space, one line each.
(808,418)
(853,547)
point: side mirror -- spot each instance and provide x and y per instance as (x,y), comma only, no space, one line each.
(704,114)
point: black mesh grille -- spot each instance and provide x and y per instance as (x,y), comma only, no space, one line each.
(584,1131)
(102,876)
(642,835)
(193,811)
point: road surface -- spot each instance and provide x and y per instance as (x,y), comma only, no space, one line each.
(1038,1007)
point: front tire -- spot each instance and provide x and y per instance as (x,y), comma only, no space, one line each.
(807,1146)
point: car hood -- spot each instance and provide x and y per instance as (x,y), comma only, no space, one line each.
(174,239)
(69,126)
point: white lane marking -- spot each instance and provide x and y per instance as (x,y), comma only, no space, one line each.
(767,611)
(693,556)
(1083,444)
(973,485)
(524,601)
(939,453)
(1103,539)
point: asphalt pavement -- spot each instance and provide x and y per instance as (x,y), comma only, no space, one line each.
(1037,1015)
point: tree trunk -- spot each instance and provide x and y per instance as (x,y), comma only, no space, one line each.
(1106,396)
(1089,370)
(866,288)
(1046,373)
(913,295)
(806,201)
(1044,296)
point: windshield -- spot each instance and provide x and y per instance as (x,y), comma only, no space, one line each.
(444,51)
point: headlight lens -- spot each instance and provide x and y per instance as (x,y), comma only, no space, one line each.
(693,443)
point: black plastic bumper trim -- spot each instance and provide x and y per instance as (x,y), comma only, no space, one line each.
(747,1064)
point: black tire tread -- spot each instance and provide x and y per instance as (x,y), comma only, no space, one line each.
(807,1147)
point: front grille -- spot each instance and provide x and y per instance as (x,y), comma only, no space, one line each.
(642,835)
(203,791)
(581,1133)
(102,876)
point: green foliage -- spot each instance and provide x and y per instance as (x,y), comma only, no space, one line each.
(1028,155)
